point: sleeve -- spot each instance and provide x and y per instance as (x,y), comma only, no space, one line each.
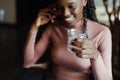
(105,48)
(33,51)
(42,44)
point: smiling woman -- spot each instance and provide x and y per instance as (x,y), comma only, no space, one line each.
(91,56)
(73,10)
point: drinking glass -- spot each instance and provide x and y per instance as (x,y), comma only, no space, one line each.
(75,34)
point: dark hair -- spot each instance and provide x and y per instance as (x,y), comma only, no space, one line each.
(89,10)
(89,13)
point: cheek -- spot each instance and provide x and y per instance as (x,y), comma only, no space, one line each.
(78,12)
(79,9)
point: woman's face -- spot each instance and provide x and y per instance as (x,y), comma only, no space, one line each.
(73,10)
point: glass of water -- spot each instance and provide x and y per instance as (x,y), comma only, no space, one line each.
(75,34)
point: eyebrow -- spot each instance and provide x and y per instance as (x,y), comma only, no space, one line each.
(71,3)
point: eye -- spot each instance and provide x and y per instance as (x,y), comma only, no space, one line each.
(71,6)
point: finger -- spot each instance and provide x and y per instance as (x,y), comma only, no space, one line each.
(44,22)
(85,56)
(78,55)
(77,40)
(44,14)
(51,18)
(49,13)
(52,6)
(87,41)
(80,40)
(86,51)
(75,49)
(50,10)
(90,53)
(74,43)
(85,46)
(47,9)
(48,16)
(44,18)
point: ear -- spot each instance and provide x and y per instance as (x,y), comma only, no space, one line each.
(84,2)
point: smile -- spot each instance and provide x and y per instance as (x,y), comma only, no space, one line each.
(70,18)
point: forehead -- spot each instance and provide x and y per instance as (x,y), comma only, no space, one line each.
(69,1)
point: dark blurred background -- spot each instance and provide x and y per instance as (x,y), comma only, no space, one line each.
(16,17)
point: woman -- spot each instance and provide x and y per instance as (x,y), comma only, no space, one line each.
(93,54)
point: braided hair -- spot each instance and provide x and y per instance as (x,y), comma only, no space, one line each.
(89,10)
(90,13)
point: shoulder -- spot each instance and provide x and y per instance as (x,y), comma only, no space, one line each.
(96,29)
(53,30)
(45,30)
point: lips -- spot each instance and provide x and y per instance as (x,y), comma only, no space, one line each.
(71,18)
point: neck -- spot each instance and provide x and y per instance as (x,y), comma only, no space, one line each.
(78,25)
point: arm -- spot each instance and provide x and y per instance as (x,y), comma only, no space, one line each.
(100,59)
(102,65)
(32,51)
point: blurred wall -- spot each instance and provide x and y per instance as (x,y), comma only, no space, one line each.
(9,7)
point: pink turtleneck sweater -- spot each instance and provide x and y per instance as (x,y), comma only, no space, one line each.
(66,65)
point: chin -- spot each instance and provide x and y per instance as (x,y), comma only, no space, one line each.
(70,24)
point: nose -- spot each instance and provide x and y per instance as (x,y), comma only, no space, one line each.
(66,12)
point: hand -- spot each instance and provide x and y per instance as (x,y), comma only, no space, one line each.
(45,15)
(84,49)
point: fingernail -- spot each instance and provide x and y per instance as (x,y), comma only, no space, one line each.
(54,9)
(52,21)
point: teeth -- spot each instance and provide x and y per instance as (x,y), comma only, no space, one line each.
(71,18)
